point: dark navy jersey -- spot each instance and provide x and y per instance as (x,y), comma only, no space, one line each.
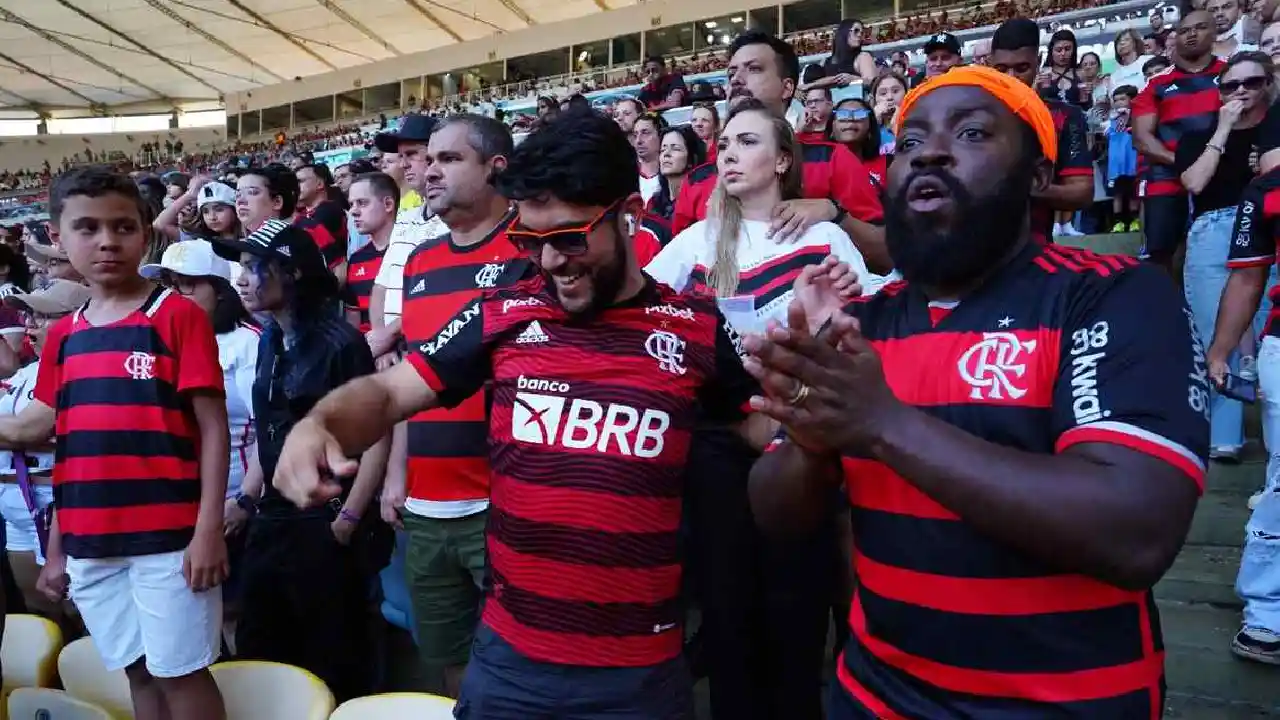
(1060,347)
(1074,160)
(1253,243)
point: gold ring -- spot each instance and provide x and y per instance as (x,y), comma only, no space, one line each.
(802,393)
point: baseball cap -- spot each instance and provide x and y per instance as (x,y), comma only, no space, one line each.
(59,297)
(283,241)
(413,127)
(942,41)
(193,258)
(216,192)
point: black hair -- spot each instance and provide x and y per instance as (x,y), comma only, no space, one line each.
(788,62)
(578,100)
(361,166)
(1016,34)
(228,309)
(629,99)
(95,181)
(321,171)
(842,53)
(19,271)
(581,157)
(281,183)
(488,137)
(696,148)
(1157,62)
(826,92)
(655,59)
(659,122)
(39,232)
(1057,37)
(1129,91)
(382,185)
(869,149)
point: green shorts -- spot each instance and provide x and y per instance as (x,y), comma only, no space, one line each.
(445,573)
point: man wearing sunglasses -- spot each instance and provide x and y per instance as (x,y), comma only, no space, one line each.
(837,187)
(597,375)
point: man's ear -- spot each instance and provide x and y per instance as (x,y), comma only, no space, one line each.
(1041,175)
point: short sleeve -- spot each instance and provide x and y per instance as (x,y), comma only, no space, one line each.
(852,189)
(1253,239)
(1135,379)
(675,262)
(1074,158)
(455,363)
(49,374)
(1145,103)
(725,396)
(197,350)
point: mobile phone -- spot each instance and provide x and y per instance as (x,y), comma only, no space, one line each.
(1237,388)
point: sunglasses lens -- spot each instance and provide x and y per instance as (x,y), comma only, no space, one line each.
(568,242)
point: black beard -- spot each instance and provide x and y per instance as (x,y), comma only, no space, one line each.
(981,233)
(606,281)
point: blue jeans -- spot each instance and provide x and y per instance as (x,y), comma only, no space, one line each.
(1205,277)
(1258,583)
(502,684)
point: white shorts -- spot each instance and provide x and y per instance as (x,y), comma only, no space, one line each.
(141,606)
(19,526)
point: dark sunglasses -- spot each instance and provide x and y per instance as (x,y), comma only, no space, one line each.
(852,114)
(567,241)
(1255,83)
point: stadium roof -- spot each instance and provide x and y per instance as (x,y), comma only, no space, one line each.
(87,53)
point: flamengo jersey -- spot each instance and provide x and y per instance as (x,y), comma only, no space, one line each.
(1182,102)
(362,268)
(1074,160)
(448,453)
(830,171)
(588,438)
(1060,347)
(1253,242)
(127,478)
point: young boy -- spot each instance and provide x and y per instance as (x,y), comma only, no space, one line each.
(131,387)
(1122,161)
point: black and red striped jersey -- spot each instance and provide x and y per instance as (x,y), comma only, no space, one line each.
(327,226)
(448,453)
(1074,160)
(1058,348)
(588,438)
(1253,242)
(1182,101)
(127,472)
(362,268)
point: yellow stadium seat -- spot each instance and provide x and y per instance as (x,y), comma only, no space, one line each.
(29,651)
(255,690)
(396,706)
(85,677)
(46,704)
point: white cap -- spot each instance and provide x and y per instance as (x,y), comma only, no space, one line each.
(216,192)
(193,258)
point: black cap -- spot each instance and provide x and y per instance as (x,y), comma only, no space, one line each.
(281,240)
(942,41)
(413,127)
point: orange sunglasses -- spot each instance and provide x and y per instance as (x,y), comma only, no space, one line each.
(564,240)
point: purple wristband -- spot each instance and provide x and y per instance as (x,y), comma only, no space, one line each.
(353,519)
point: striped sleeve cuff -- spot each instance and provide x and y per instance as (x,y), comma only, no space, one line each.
(1256,261)
(1136,438)
(426,372)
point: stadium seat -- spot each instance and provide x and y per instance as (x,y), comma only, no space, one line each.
(395,706)
(46,704)
(85,677)
(29,651)
(254,690)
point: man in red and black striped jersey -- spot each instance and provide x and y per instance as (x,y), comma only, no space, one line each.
(1182,99)
(131,387)
(596,375)
(1015,50)
(323,218)
(1252,256)
(438,485)
(375,200)
(837,187)
(1021,431)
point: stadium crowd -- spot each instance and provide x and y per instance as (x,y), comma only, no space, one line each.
(528,408)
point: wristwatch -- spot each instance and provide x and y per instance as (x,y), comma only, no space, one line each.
(840,212)
(247,503)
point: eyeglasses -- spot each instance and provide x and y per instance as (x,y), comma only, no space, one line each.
(852,114)
(1254,83)
(568,241)
(185,286)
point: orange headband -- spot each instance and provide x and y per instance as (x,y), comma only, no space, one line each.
(1016,95)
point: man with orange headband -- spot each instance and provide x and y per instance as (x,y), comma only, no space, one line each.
(1015,50)
(1021,430)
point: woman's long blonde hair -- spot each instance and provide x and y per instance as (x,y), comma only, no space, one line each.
(724,212)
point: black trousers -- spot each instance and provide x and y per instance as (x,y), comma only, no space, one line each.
(305,602)
(765,602)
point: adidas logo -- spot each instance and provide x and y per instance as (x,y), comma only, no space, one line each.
(419,287)
(532,334)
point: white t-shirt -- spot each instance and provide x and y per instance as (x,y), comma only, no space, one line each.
(1130,74)
(19,389)
(238,356)
(410,231)
(766,269)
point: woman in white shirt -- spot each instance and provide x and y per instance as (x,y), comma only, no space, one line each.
(730,253)
(21,508)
